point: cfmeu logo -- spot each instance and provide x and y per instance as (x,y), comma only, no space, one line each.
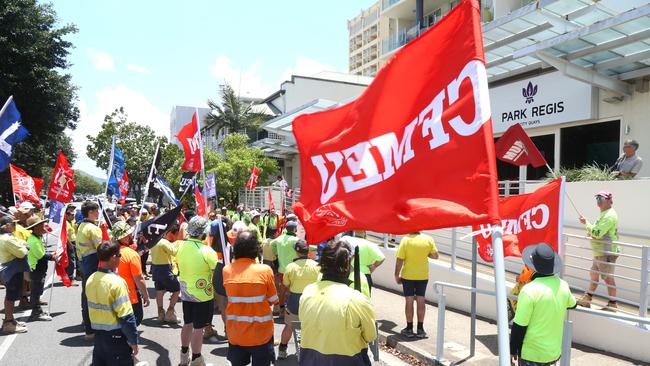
(529,92)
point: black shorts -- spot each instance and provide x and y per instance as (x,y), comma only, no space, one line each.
(15,287)
(262,355)
(414,287)
(199,314)
(164,279)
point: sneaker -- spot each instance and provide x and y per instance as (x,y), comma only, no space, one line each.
(198,362)
(611,306)
(12,326)
(45,317)
(282,354)
(185,358)
(585,301)
(170,317)
(421,334)
(2,286)
(408,333)
(89,337)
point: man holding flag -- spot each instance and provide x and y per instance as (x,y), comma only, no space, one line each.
(37,259)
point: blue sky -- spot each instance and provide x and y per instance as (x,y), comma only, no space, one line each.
(151,55)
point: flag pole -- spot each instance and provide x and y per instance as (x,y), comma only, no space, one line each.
(6,105)
(110,167)
(146,193)
(501,297)
(198,128)
(567,195)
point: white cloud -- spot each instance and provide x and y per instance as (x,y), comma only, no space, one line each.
(256,84)
(136,105)
(101,60)
(137,68)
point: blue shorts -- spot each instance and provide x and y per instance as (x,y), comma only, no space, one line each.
(414,287)
(164,278)
(15,287)
(262,355)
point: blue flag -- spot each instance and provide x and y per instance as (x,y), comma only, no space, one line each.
(117,172)
(160,185)
(11,133)
(211,186)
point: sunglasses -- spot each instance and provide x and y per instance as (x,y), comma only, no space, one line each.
(600,199)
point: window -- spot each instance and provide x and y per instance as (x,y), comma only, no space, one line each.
(454,3)
(596,143)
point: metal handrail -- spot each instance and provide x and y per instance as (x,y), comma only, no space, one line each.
(439,287)
(624,244)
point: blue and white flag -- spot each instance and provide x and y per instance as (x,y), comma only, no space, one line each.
(11,132)
(116,175)
(211,186)
(160,185)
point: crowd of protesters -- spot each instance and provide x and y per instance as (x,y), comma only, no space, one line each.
(251,267)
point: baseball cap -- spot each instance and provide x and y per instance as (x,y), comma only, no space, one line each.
(253,214)
(121,230)
(197,226)
(292,225)
(292,217)
(239,226)
(604,194)
(301,247)
(4,220)
(27,205)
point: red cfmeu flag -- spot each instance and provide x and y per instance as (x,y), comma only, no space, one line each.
(25,188)
(527,219)
(123,183)
(61,255)
(415,151)
(62,185)
(252,180)
(515,147)
(270,198)
(189,137)
(200,201)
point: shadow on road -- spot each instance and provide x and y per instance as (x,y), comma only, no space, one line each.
(76,341)
(72,329)
(154,323)
(490,341)
(162,352)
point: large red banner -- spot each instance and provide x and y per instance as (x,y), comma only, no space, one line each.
(189,138)
(414,151)
(62,185)
(527,219)
(25,187)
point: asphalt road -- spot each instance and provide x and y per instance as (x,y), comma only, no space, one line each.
(60,342)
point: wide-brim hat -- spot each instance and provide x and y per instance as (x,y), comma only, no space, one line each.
(542,259)
(34,221)
(121,230)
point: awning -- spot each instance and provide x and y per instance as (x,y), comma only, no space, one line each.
(581,38)
(281,124)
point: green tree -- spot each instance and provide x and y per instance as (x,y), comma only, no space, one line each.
(33,61)
(233,114)
(86,184)
(137,143)
(232,169)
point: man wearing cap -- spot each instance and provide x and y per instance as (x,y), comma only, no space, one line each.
(162,255)
(301,272)
(254,224)
(37,259)
(24,211)
(13,264)
(251,292)
(283,249)
(89,237)
(195,264)
(130,270)
(605,251)
(111,314)
(370,256)
(536,337)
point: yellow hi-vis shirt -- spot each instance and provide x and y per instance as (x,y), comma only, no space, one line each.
(108,300)
(11,248)
(336,320)
(414,249)
(22,233)
(163,252)
(89,237)
(300,273)
(195,264)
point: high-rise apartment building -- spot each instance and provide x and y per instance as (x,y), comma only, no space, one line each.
(365,32)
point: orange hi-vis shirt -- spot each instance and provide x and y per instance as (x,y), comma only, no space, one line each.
(130,266)
(250,288)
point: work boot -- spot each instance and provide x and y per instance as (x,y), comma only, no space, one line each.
(161,315)
(585,301)
(24,303)
(89,337)
(611,306)
(12,326)
(185,358)
(407,332)
(198,362)
(276,310)
(282,354)
(170,317)
(209,332)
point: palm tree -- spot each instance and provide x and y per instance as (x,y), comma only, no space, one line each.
(233,114)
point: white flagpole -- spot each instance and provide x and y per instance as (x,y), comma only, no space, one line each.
(110,167)
(501,297)
(6,105)
(150,179)
(198,123)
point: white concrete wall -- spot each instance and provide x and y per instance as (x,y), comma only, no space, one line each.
(305,90)
(609,335)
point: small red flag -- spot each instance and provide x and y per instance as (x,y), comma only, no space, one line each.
(26,188)
(515,147)
(252,180)
(62,185)
(124,186)
(270,198)
(189,137)
(61,255)
(200,201)
(104,227)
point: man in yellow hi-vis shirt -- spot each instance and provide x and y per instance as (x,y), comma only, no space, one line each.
(111,314)
(89,237)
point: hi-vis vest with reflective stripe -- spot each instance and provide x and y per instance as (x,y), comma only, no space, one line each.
(251,292)
(89,236)
(108,300)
